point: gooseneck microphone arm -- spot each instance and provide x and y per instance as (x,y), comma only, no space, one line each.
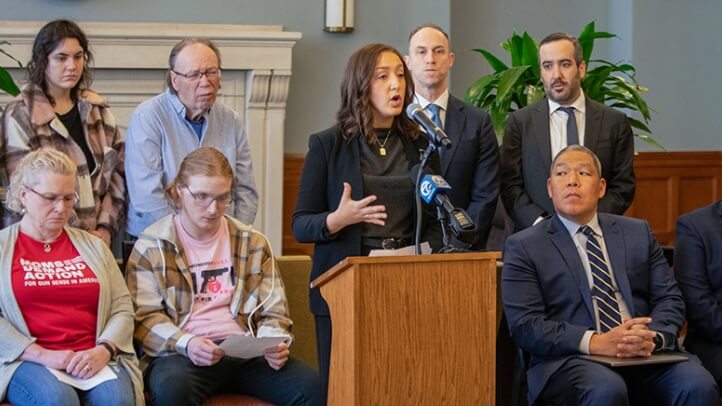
(417,197)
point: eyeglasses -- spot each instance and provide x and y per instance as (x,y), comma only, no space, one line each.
(195,76)
(204,200)
(68,200)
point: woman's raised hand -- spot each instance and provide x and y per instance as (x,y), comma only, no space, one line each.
(351,211)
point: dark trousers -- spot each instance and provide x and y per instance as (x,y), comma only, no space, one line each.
(323,350)
(175,381)
(582,382)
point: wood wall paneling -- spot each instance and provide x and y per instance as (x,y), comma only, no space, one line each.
(292,166)
(669,184)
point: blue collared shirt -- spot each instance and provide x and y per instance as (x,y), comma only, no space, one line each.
(158,139)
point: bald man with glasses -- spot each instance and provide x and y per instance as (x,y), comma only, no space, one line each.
(166,128)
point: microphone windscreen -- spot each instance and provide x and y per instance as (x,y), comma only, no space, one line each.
(412,109)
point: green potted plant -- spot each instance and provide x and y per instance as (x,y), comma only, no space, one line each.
(512,88)
(7,84)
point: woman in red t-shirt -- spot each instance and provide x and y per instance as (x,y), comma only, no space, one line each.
(64,305)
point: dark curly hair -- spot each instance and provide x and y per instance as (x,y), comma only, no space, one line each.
(48,38)
(356,112)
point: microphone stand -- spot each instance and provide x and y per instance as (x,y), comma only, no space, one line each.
(441,216)
(417,196)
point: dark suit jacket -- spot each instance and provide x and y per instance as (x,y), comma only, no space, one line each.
(471,165)
(329,163)
(526,160)
(546,294)
(698,269)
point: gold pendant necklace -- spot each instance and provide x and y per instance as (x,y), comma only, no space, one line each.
(47,247)
(382,145)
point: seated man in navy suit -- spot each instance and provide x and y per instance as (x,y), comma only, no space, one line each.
(698,268)
(583,282)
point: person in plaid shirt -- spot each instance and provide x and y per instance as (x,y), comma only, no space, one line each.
(57,109)
(199,276)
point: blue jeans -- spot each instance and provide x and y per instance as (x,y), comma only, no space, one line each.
(33,384)
(174,380)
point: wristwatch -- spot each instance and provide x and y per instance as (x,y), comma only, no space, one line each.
(658,342)
(113,352)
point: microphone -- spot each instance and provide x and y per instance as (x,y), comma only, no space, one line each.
(432,190)
(436,134)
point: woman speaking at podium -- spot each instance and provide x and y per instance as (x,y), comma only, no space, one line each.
(356,194)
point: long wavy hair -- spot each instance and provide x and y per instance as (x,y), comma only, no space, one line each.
(356,112)
(48,38)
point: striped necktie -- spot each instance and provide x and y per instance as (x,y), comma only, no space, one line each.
(435,111)
(602,290)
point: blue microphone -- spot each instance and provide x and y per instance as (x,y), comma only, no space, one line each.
(431,187)
(432,190)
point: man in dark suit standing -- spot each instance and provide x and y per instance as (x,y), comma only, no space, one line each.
(538,132)
(698,268)
(471,165)
(583,282)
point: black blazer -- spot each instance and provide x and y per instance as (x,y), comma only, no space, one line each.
(331,161)
(526,160)
(698,269)
(471,165)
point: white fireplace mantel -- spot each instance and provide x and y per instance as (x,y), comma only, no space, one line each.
(131,60)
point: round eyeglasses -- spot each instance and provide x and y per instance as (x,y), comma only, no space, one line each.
(204,200)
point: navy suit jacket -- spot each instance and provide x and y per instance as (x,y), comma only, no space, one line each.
(546,295)
(331,161)
(471,166)
(526,160)
(698,269)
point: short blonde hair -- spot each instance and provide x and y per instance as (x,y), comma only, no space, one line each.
(204,161)
(27,171)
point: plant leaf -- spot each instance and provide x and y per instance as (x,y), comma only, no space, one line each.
(508,81)
(492,60)
(638,125)
(529,54)
(2,51)
(7,84)
(649,140)
(516,49)
(481,88)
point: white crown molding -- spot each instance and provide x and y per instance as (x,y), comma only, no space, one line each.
(243,47)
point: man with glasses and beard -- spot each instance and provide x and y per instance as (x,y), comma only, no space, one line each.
(184,118)
(565,117)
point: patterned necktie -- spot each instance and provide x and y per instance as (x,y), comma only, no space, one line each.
(572,131)
(602,290)
(435,110)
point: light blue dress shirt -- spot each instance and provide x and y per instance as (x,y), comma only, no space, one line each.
(158,139)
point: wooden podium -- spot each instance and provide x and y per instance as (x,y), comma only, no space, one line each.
(413,330)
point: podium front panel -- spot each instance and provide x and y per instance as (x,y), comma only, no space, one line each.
(413,330)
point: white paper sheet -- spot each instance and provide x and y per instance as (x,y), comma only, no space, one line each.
(241,346)
(103,375)
(410,250)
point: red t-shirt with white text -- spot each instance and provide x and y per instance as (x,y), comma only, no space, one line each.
(57,293)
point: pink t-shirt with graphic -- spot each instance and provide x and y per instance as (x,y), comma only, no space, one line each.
(57,293)
(214,281)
